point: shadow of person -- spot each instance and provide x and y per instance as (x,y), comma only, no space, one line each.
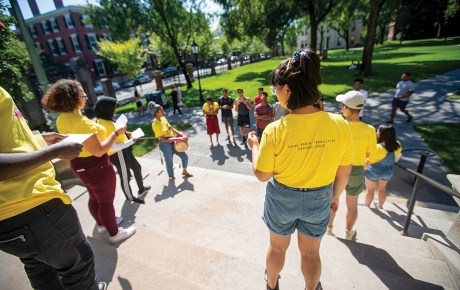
(217,153)
(125,285)
(170,190)
(238,153)
(105,258)
(385,267)
(128,212)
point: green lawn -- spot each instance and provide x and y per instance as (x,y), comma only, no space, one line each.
(143,146)
(421,58)
(445,140)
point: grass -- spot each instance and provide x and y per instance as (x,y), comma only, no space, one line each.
(445,141)
(454,96)
(143,146)
(422,58)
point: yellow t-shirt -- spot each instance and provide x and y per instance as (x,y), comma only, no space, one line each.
(364,140)
(109,128)
(304,151)
(380,153)
(207,107)
(74,123)
(162,128)
(34,187)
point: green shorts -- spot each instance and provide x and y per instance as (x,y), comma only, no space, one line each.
(355,184)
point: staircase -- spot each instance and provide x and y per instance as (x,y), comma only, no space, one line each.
(206,233)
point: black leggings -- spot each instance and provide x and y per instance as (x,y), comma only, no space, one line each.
(176,107)
(124,160)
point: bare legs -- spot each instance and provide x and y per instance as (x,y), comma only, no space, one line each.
(276,256)
(310,262)
(381,185)
(393,113)
(352,210)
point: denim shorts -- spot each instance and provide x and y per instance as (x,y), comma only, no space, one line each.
(380,174)
(287,209)
(398,103)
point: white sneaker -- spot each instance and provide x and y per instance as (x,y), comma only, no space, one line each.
(329,231)
(122,234)
(102,229)
(350,235)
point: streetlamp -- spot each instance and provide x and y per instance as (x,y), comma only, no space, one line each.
(195,50)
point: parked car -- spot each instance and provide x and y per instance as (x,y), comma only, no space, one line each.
(140,78)
(221,61)
(169,72)
(235,58)
(98,87)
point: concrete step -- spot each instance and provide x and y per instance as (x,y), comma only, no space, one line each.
(205,232)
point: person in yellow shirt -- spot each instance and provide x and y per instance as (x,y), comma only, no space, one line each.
(124,160)
(379,165)
(210,110)
(92,166)
(167,135)
(306,158)
(33,207)
(364,142)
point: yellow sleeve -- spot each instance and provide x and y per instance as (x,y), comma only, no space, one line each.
(266,158)
(378,155)
(205,107)
(372,141)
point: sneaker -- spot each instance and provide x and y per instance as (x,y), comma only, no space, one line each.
(409,119)
(350,235)
(122,234)
(329,231)
(138,200)
(141,193)
(210,144)
(102,229)
(102,286)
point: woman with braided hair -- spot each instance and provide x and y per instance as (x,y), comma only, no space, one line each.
(306,158)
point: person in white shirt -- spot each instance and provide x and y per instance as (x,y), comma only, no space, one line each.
(179,98)
(404,89)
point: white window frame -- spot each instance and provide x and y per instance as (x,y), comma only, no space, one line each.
(92,39)
(107,37)
(45,27)
(52,47)
(61,46)
(75,43)
(33,31)
(100,67)
(68,20)
(54,25)
(84,17)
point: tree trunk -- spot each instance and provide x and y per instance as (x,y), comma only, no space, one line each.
(313,25)
(347,40)
(376,7)
(382,34)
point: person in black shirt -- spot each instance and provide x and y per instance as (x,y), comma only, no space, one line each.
(175,100)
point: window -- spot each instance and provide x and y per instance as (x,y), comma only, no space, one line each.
(107,36)
(33,31)
(353,28)
(61,45)
(69,21)
(45,28)
(100,67)
(52,47)
(352,40)
(75,43)
(38,45)
(54,25)
(92,40)
(84,20)
(338,43)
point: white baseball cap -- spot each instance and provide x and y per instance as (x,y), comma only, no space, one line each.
(153,107)
(352,99)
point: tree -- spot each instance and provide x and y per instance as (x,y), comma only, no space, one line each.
(14,59)
(343,16)
(375,8)
(317,11)
(127,55)
(174,22)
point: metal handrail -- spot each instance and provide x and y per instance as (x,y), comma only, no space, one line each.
(419,176)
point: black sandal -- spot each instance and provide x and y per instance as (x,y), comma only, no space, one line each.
(277,287)
(318,287)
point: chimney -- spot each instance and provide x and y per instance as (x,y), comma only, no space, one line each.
(58,4)
(34,7)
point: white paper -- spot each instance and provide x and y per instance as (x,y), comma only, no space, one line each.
(121,122)
(138,133)
(79,138)
(121,146)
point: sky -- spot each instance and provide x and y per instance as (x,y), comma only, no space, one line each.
(48,5)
